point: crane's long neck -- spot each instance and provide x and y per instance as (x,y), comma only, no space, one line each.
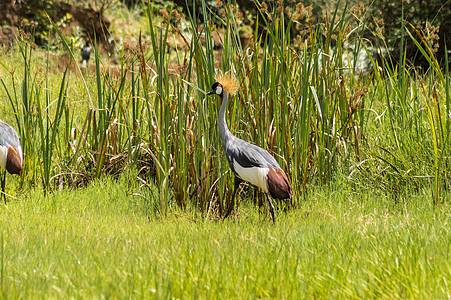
(224,132)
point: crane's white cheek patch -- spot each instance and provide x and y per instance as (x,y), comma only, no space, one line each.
(254,175)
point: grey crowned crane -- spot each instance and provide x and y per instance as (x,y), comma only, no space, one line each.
(11,156)
(248,162)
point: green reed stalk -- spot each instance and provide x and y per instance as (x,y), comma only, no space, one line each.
(435,109)
(49,128)
(161,108)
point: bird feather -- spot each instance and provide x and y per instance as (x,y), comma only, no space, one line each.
(228,82)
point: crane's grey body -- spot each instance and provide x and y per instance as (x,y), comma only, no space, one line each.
(248,155)
(8,136)
(249,162)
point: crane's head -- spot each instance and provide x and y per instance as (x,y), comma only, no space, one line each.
(216,89)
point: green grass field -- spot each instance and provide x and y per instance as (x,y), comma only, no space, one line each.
(97,243)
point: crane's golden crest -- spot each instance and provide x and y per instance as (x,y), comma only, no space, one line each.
(228,82)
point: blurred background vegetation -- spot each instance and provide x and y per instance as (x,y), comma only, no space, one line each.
(380,21)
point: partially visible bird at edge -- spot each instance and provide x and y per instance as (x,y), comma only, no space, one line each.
(11,156)
(248,162)
(85,55)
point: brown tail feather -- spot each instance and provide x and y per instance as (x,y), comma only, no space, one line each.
(278,185)
(13,161)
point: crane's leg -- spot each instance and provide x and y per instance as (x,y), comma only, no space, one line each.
(3,182)
(232,204)
(271,208)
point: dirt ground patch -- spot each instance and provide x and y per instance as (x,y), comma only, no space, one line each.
(15,14)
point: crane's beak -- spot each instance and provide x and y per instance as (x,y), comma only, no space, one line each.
(212,92)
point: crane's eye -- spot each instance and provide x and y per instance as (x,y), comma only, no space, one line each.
(218,90)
